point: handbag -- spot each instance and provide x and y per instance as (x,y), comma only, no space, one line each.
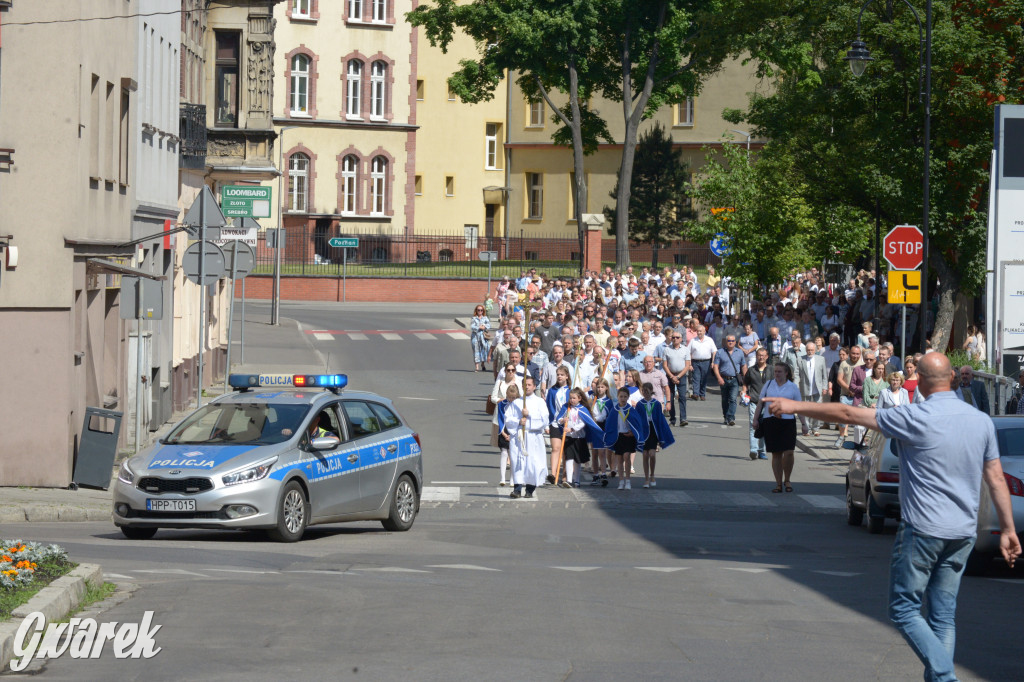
(490,407)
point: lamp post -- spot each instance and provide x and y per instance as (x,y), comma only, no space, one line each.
(275,303)
(748,139)
(858,57)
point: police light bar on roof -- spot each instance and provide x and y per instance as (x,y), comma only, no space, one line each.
(247,381)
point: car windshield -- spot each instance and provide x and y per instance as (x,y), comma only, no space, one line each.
(253,423)
(1011,442)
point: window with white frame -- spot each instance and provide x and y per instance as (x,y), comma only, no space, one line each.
(535,195)
(492,132)
(300,9)
(298,182)
(354,83)
(378,184)
(684,112)
(378,78)
(355,10)
(380,11)
(349,175)
(537,113)
(300,85)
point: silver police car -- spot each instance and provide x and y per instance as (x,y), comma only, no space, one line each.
(280,453)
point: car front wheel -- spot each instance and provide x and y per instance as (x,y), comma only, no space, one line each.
(138,533)
(292,514)
(405,503)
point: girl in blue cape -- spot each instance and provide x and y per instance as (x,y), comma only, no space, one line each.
(556,398)
(511,393)
(623,429)
(658,431)
(579,428)
(601,407)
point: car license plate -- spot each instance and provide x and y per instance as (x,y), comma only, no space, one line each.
(170,505)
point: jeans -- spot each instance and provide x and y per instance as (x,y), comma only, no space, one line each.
(730,390)
(701,369)
(756,444)
(677,391)
(926,569)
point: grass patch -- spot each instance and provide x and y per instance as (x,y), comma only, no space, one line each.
(46,572)
(93,594)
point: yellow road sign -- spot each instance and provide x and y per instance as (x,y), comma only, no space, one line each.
(905,286)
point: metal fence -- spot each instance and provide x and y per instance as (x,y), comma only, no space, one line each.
(308,252)
(999,388)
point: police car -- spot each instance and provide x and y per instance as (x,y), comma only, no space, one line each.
(279,453)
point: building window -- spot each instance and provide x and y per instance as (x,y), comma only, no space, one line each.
(537,113)
(535,195)
(300,85)
(684,112)
(124,141)
(492,133)
(446,255)
(355,10)
(226,78)
(300,9)
(449,185)
(349,175)
(298,182)
(418,185)
(353,89)
(531,255)
(451,93)
(378,75)
(380,11)
(419,89)
(378,184)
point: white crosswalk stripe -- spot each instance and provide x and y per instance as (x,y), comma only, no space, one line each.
(390,336)
(440,494)
(424,336)
(748,500)
(357,337)
(320,336)
(459,336)
(824,501)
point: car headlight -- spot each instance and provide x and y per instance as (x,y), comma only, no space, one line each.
(125,474)
(253,473)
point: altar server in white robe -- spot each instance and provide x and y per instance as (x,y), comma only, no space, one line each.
(529,465)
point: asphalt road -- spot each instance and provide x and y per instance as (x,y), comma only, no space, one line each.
(709,577)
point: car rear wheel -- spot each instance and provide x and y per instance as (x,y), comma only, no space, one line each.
(138,533)
(292,514)
(405,503)
(876,515)
(854,516)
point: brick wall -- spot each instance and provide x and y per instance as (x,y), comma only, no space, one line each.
(468,291)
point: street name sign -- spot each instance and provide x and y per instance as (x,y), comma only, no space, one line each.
(245,201)
(903,247)
(487,256)
(905,287)
(344,242)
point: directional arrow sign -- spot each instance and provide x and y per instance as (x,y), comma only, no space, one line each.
(344,242)
(905,286)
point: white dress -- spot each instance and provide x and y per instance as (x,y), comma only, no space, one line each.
(529,461)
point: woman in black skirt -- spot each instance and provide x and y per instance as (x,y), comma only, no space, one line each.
(575,450)
(779,432)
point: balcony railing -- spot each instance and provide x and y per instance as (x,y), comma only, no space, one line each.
(192,130)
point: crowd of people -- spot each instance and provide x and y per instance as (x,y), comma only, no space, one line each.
(579,349)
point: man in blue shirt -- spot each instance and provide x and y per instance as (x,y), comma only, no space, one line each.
(730,366)
(946,448)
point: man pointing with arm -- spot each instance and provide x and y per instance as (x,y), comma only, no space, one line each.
(946,447)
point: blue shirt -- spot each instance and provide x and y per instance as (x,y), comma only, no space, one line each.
(725,367)
(634,361)
(943,445)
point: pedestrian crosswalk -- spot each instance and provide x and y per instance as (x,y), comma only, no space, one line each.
(388,334)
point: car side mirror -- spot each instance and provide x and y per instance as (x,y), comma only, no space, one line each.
(325,442)
(850,445)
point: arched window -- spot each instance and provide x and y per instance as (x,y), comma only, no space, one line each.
(298,182)
(300,85)
(445,255)
(353,88)
(378,184)
(349,170)
(378,74)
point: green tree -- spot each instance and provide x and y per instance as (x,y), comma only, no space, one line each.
(660,208)
(766,219)
(861,138)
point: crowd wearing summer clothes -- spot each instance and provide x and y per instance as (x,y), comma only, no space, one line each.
(604,365)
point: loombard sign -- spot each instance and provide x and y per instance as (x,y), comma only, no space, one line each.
(245,201)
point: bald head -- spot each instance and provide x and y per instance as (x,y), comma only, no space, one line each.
(935,373)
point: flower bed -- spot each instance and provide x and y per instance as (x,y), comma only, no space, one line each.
(19,561)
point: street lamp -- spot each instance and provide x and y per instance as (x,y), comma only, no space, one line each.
(858,57)
(275,303)
(748,139)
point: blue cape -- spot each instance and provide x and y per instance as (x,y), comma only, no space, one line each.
(637,424)
(661,428)
(501,414)
(549,397)
(595,436)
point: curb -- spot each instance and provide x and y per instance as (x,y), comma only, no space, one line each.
(41,512)
(55,602)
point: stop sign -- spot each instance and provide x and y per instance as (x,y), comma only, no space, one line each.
(903,247)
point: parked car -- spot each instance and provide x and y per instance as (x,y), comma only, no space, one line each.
(1010,436)
(873,482)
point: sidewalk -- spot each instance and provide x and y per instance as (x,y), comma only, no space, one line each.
(269,349)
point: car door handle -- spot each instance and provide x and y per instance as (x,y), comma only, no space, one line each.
(392,448)
(353,458)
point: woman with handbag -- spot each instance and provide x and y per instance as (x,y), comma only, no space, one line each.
(779,432)
(479,328)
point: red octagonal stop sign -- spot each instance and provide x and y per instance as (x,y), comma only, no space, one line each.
(903,247)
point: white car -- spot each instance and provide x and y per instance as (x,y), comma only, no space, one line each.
(1010,436)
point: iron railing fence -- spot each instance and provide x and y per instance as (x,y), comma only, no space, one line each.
(192,131)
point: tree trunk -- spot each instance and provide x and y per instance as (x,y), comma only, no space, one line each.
(949,284)
(577,161)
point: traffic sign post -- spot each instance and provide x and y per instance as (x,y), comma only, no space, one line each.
(490,257)
(245,201)
(344,243)
(903,247)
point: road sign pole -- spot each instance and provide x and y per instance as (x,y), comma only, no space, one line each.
(241,332)
(231,312)
(344,274)
(202,292)
(490,262)
(138,365)
(903,329)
